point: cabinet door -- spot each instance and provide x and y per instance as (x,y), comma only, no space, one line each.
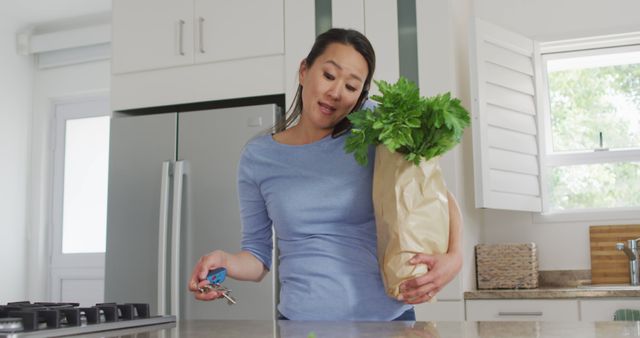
(238,29)
(441,310)
(522,310)
(603,309)
(151,34)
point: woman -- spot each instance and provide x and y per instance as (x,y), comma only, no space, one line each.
(301,181)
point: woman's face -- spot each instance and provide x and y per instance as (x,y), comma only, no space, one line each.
(332,85)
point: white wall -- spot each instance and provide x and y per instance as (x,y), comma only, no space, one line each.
(53,84)
(561,245)
(463,10)
(551,19)
(442,54)
(15,130)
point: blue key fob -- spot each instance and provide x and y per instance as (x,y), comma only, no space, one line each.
(217,276)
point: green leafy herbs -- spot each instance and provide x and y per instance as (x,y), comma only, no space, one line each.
(419,127)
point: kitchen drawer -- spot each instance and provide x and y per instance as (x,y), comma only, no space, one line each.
(522,310)
(603,309)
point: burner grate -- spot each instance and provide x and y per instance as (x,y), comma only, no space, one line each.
(47,315)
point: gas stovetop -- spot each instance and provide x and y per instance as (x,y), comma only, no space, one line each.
(40,319)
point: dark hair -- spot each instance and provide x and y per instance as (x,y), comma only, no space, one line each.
(347,37)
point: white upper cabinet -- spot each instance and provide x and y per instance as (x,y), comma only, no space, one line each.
(381,28)
(365,17)
(505,119)
(151,34)
(227,30)
(156,34)
(348,14)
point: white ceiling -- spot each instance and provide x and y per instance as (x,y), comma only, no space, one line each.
(33,12)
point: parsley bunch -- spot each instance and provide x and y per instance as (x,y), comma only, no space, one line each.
(419,127)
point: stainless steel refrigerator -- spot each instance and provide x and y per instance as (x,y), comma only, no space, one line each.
(173,198)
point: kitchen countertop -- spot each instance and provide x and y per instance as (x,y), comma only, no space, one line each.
(599,291)
(303,329)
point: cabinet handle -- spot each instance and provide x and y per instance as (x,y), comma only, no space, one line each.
(506,314)
(200,30)
(181,37)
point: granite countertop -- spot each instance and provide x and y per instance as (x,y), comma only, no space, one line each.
(555,284)
(301,329)
(599,291)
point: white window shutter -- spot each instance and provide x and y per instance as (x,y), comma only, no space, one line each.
(505,145)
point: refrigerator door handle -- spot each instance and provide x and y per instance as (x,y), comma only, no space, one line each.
(163,226)
(181,170)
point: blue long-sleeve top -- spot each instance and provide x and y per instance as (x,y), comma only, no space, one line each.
(318,200)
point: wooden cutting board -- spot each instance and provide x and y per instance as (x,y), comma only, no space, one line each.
(608,265)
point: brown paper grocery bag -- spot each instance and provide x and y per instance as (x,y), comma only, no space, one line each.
(412,215)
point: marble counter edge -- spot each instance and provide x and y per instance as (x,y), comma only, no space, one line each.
(470,329)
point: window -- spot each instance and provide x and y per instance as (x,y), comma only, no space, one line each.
(556,125)
(591,115)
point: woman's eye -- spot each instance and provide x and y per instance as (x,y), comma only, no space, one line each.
(329,76)
(351,88)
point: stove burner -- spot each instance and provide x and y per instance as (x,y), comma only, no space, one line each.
(27,316)
(10,324)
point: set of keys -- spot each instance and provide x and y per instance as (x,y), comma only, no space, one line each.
(215,278)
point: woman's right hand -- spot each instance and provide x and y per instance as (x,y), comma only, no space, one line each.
(210,261)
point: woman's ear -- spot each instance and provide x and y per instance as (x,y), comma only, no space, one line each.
(302,71)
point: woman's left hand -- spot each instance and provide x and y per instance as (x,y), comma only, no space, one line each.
(442,269)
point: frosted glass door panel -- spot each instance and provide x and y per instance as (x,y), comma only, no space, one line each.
(86,164)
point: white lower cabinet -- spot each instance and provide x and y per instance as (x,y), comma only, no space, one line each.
(603,309)
(441,310)
(448,306)
(522,310)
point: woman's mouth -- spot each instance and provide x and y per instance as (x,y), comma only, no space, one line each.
(326,109)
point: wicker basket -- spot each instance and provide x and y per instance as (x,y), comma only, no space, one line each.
(507,266)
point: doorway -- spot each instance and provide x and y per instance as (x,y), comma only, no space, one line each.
(79,201)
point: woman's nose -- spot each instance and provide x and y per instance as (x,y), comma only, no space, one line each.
(335,92)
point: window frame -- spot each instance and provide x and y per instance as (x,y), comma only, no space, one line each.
(548,159)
